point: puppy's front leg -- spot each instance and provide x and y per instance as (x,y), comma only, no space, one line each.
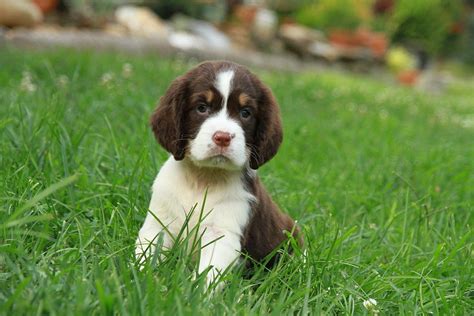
(220,250)
(148,237)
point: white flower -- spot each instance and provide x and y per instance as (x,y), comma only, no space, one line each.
(27,82)
(371,305)
(127,70)
(107,78)
(63,81)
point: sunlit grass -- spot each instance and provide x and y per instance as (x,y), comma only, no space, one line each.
(380,179)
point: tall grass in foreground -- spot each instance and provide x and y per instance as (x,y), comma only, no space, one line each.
(380,180)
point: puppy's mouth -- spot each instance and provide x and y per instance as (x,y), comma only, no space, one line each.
(219,159)
(205,153)
(219,153)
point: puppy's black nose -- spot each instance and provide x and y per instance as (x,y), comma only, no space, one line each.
(222,139)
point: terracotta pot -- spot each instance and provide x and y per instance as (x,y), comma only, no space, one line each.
(46,5)
(344,38)
(379,45)
(408,77)
(376,42)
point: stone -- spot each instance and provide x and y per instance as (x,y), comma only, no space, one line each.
(115,29)
(203,31)
(302,40)
(19,13)
(434,81)
(185,41)
(141,21)
(213,37)
(324,50)
(264,27)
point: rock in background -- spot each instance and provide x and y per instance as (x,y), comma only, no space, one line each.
(19,13)
(141,21)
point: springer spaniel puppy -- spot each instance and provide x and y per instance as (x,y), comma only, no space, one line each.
(220,123)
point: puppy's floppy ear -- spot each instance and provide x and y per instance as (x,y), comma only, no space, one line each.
(167,121)
(269,133)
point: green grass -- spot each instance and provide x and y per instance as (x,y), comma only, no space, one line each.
(380,178)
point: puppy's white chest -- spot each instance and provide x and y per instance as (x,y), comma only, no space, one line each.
(177,197)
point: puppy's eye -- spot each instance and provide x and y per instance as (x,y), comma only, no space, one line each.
(245,113)
(202,108)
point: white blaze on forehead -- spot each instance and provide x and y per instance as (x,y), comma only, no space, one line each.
(223,84)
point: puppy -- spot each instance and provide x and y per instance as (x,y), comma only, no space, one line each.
(220,123)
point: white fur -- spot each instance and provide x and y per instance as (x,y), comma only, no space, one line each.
(175,191)
(224,84)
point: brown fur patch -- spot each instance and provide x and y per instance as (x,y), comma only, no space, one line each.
(209,96)
(268,226)
(243,98)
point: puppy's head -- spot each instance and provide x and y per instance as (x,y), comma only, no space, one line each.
(219,115)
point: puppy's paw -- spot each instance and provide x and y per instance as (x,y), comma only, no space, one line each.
(142,253)
(215,287)
(214,282)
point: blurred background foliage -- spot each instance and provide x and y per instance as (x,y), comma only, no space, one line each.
(334,14)
(435,27)
(430,25)
(414,34)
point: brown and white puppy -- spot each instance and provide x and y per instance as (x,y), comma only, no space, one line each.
(220,123)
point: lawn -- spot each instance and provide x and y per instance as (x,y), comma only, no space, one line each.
(380,178)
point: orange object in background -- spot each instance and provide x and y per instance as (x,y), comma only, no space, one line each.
(46,5)
(408,77)
(376,42)
(246,13)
